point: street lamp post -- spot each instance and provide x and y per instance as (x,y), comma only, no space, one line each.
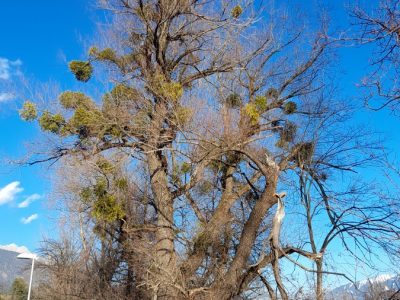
(33,257)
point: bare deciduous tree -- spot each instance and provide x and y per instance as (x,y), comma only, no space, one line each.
(380,26)
(180,165)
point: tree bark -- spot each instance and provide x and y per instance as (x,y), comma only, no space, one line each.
(165,257)
(230,285)
(319,287)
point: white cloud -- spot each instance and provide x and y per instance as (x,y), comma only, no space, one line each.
(29,219)
(29,200)
(4,69)
(15,248)
(7,67)
(4,97)
(9,192)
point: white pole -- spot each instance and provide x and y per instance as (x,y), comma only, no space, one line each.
(30,281)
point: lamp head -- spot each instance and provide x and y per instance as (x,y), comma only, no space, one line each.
(27,256)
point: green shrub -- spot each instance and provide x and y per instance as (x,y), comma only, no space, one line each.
(19,289)
(290,107)
(71,100)
(233,100)
(81,69)
(52,123)
(236,11)
(28,112)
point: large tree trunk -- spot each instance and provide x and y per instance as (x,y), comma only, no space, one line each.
(214,227)
(229,286)
(319,287)
(165,272)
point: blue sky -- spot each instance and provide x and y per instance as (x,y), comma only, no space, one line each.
(37,38)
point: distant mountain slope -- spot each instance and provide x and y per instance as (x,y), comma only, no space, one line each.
(11,267)
(381,286)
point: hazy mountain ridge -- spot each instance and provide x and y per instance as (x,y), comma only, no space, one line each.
(363,289)
(11,267)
